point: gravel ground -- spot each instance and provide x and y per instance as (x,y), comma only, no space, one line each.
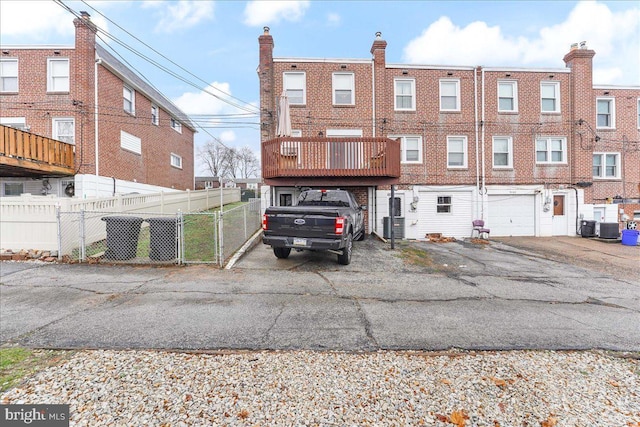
(304,388)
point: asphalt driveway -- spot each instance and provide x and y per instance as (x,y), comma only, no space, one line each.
(422,295)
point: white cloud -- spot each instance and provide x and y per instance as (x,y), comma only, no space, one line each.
(260,12)
(333,19)
(38,21)
(202,102)
(613,35)
(174,16)
(227,136)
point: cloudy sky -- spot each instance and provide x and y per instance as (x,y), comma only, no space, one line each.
(212,46)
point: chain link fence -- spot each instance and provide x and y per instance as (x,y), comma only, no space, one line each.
(208,237)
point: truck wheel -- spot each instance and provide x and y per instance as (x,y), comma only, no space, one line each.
(282,252)
(361,236)
(345,257)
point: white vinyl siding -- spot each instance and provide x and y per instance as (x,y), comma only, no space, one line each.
(58,75)
(606,165)
(433,218)
(295,86)
(405,94)
(343,89)
(502,152)
(129,99)
(457,152)
(130,142)
(605,113)
(551,150)
(450,95)
(508,96)
(176,161)
(9,75)
(63,129)
(550,97)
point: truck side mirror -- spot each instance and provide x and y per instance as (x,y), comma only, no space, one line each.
(363,207)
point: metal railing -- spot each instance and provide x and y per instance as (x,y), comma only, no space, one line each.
(209,237)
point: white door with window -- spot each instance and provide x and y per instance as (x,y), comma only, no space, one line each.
(560,217)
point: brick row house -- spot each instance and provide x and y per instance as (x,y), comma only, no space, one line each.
(123,130)
(531,151)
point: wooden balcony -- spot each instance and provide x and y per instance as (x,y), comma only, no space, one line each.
(314,161)
(24,154)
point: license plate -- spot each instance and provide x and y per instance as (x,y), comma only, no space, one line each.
(299,242)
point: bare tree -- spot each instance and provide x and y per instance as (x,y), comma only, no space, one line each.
(214,156)
(228,162)
(248,163)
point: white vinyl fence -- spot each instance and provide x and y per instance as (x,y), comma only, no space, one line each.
(31,222)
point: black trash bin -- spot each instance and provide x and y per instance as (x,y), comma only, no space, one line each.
(163,240)
(588,228)
(122,236)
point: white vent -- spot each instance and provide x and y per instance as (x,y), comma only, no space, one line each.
(130,142)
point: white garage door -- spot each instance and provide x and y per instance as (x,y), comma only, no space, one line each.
(434,218)
(511,215)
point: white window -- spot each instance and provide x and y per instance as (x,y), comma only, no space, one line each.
(606,165)
(410,148)
(450,95)
(8,75)
(155,116)
(58,75)
(550,97)
(130,142)
(176,161)
(129,100)
(405,94)
(606,113)
(176,125)
(13,188)
(457,151)
(551,150)
(507,96)
(343,89)
(502,152)
(64,129)
(638,113)
(14,122)
(443,204)
(295,86)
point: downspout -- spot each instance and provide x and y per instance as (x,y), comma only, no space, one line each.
(95,114)
(475,106)
(483,159)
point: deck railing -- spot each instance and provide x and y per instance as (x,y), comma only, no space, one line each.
(27,150)
(330,157)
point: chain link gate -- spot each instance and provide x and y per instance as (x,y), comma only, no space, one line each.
(151,238)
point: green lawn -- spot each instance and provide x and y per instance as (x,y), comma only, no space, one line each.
(16,363)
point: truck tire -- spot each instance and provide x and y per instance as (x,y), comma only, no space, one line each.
(282,252)
(345,257)
(361,236)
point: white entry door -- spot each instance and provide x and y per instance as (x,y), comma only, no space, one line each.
(560,217)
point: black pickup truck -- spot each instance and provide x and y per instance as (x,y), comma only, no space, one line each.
(323,220)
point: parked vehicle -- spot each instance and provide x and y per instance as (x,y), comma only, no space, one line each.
(322,220)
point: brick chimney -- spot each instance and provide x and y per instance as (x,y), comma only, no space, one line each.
(82,89)
(582,107)
(266,77)
(378,50)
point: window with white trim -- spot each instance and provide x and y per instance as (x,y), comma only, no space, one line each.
(58,75)
(9,75)
(64,129)
(443,204)
(176,125)
(507,96)
(176,161)
(129,99)
(130,142)
(502,152)
(638,113)
(14,122)
(343,89)
(405,94)
(605,113)
(457,152)
(550,97)
(410,148)
(449,95)
(13,188)
(551,150)
(606,165)
(155,115)
(295,86)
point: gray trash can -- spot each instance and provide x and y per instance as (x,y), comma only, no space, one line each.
(163,239)
(122,236)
